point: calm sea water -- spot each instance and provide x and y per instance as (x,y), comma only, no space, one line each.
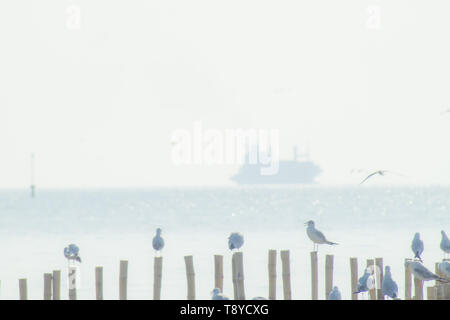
(110,225)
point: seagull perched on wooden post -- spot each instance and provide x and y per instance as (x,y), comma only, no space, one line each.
(422,273)
(417,246)
(71,252)
(445,244)
(316,236)
(388,286)
(235,241)
(158,242)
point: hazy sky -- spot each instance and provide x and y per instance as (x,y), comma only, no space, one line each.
(98,101)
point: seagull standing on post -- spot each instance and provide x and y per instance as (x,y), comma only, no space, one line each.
(388,286)
(158,242)
(335,294)
(235,241)
(422,273)
(316,236)
(417,246)
(71,252)
(445,244)
(365,283)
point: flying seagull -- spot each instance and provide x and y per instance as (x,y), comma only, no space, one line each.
(158,242)
(445,244)
(71,252)
(417,246)
(381,173)
(217,295)
(316,236)
(335,294)
(388,286)
(235,241)
(421,272)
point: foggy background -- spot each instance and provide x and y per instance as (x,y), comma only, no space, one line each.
(97,99)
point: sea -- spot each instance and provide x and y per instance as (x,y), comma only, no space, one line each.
(109,225)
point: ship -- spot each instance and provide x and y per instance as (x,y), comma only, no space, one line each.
(300,170)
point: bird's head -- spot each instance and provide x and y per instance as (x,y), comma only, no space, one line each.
(158,231)
(215,291)
(335,288)
(309,223)
(387,269)
(443,234)
(417,235)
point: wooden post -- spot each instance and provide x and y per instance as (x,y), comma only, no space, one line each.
(72,283)
(372,292)
(408,278)
(431,295)
(272,274)
(56,283)
(123,280)
(47,286)
(157,272)
(238,275)
(190,275)
(218,272)
(286,274)
(379,277)
(23,289)
(354,277)
(418,289)
(99,283)
(314,276)
(329,261)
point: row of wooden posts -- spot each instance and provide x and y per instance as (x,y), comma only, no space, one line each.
(52,281)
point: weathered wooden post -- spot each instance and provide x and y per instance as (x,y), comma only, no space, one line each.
(123,280)
(47,286)
(99,283)
(72,283)
(431,293)
(190,275)
(157,278)
(418,289)
(286,274)
(379,277)
(314,276)
(408,278)
(218,272)
(370,266)
(272,274)
(238,275)
(56,283)
(354,277)
(329,261)
(23,289)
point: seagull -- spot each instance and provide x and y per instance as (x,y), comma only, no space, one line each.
(388,286)
(335,294)
(421,272)
(366,282)
(217,295)
(316,236)
(71,253)
(235,240)
(158,241)
(381,173)
(417,246)
(444,267)
(445,244)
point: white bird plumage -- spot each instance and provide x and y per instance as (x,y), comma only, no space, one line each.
(158,241)
(445,244)
(417,246)
(389,286)
(421,272)
(316,236)
(235,241)
(335,294)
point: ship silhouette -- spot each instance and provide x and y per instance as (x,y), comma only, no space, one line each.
(296,171)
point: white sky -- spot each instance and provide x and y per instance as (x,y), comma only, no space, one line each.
(98,105)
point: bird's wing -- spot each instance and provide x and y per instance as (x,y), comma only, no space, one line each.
(424,272)
(370,175)
(318,236)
